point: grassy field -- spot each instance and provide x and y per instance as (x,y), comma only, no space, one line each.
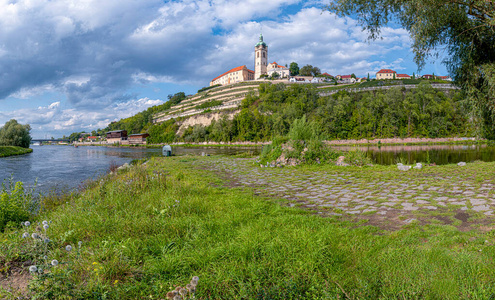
(140,233)
(13,150)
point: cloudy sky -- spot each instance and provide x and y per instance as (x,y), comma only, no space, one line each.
(74,65)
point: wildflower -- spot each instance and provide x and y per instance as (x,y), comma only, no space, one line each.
(95,263)
(46,240)
(79,244)
(35,235)
(177,297)
(33,269)
(27,223)
(116,281)
(183,292)
(68,248)
(44,222)
(54,262)
(170,295)
(25,235)
(45,257)
(195,280)
(45,227)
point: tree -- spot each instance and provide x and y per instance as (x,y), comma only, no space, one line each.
(294,69)
(414,76)
(15,134)
(464,28)
(353,75)
(309,70)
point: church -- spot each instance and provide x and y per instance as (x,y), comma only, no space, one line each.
(261,67)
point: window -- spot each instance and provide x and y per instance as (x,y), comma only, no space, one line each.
(258,54)
(263,54)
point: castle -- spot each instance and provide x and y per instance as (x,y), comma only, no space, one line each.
(261,67)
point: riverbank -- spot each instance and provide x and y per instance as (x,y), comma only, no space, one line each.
(154,226)
(13,150)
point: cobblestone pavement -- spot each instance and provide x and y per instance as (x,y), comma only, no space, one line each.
(384,196)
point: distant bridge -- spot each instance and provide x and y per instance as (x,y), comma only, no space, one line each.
(49,140)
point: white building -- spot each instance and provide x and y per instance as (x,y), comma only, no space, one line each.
(283,72)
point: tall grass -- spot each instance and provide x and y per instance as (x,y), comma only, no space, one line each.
(153,227)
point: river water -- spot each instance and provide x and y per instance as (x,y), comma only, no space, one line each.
(62,168)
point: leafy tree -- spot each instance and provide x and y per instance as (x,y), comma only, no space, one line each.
(309,70)
(294,69)
(15,134)
(465,28)
(353,75)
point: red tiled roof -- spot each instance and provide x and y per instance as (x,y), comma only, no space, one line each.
(326,74)
(92,137)
(250,71)
(402,75)
(230,71)
(346,76)
(386,71)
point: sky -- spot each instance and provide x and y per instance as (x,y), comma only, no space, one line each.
(77,65)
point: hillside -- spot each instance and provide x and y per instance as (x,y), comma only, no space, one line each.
(256,111)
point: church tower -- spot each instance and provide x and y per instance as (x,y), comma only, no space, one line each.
(260,58)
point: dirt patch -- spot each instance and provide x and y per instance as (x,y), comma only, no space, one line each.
(463,216)
(15,282)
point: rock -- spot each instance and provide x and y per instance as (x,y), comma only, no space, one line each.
(461,164)
(340,161)
(404,168)
(418,166)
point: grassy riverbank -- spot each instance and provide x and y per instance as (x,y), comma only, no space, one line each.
(142,233)
(13,150)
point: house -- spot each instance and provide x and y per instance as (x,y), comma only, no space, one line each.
(326,75)
(402,76)
(93,138)
(234,75)
(283,72)
(364,79)
(116,136)
(447,78)
(137,139)
(348,79)
(428,76)
(385,74)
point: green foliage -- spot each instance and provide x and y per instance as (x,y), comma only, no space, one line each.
(13,150)
(208,88)
(357,157)
(463,29)
(15,134)
(309,70)
(209,104)
(141,121)
(16,204)
(294,69)
(163,132)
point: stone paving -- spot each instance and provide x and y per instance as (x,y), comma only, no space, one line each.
(387,198)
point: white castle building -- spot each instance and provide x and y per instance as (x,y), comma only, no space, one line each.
(261,67)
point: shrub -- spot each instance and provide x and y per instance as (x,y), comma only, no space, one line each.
(16,204)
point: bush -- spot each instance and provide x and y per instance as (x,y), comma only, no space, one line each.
(16,204)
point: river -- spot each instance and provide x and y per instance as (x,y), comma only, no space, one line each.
(63,168)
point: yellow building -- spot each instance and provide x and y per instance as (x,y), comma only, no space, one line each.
(386,74)
(238,74)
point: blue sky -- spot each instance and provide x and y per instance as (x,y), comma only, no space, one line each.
(74,65)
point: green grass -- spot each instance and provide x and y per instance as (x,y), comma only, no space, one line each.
(13,150)
(141,235)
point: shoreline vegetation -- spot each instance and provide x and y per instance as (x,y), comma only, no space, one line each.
(6,151)
(145,229)
(353,142)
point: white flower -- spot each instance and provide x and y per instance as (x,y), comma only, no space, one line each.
(79,244)
(68,248)
(33,269)
(46,240)
(44,222)
(25,235)
(54,262)
(27,223)
(35,235)
(45,226)
(45,257)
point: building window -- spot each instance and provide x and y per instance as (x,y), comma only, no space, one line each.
(263,54)
(258,54)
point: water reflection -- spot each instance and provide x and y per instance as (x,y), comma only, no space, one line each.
(438,154)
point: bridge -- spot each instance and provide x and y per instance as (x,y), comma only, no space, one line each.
(49,140)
